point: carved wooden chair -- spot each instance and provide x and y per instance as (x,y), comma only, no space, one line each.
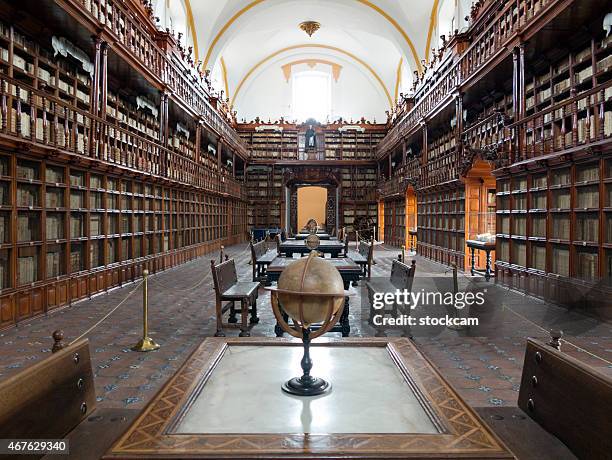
(363,257)
(401,278)
(229,289)
(261,257)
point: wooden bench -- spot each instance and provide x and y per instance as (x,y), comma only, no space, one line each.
(564,408)
(50,398)
(229,289)
(401,278)
(363,257)
(568,398)
(55,399)
(261,257)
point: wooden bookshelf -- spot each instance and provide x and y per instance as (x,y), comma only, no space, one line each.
(285,141)
(441,225)
(73,222)
(556,229)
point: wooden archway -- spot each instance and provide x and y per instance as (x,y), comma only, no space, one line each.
(480,195)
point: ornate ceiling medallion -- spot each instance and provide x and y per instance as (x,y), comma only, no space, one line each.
(310,27)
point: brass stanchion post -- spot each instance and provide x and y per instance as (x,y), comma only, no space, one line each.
(146,343)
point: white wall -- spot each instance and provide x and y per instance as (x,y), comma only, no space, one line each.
(268,95)
(172,14)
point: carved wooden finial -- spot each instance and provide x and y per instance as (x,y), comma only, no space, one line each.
(58,337)
(555,338)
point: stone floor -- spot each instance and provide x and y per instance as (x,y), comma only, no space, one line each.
(484,363)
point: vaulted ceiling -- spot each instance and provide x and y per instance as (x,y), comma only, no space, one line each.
(246,43)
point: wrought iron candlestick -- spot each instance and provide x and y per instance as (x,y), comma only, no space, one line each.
(306,385)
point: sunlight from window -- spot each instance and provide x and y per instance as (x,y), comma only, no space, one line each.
(311,96)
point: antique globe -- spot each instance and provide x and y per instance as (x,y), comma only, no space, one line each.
(311,292)
(312,226)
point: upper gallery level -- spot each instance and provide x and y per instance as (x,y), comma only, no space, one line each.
(312,142)
(527,80)
(129,28)
(112,89)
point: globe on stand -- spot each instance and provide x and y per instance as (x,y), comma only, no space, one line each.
(310,291)
(312,226)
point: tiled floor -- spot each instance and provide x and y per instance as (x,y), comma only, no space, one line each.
(484,364)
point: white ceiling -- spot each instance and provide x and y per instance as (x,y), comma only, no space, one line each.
(254,38)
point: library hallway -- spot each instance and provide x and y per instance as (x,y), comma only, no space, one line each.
(484,365)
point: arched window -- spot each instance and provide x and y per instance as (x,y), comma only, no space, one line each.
(311,95)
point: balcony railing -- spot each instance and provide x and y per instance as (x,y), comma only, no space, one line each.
(31,115)
(488,42)
(112,16)
(396,185)
(440,169)
(574,122)
(490,135)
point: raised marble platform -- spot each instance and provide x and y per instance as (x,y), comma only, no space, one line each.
(387,401)
(369,395)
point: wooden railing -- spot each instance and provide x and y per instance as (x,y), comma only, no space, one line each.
(440,169)
(489,41)
(396,185)
(490,134)
(32,115)
(112,16)
(401,178)
(574,122)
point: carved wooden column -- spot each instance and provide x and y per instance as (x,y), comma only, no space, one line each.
(403,152)
(104,80)
(95,83)
(198,140)
(425,149)
(163,118)
(163,133)
(233,164)
(515,104)
(521,80)
(219,152)
(389,165)
(518,97)
(94,98)
(459,125)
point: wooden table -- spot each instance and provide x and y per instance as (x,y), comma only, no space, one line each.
(350,272)
(482,246)
(322,236)
(459,432)
(333,247)
(413,235)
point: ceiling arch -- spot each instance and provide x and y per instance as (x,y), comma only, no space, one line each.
(192,27)
(367,3)
(361,62)
(382,41)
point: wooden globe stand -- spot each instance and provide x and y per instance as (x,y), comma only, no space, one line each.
(306,385)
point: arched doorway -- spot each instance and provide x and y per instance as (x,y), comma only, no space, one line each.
(480,195)
(311,204)
(322,185)
(411,218)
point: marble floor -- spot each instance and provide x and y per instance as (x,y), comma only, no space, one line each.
(483,363)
